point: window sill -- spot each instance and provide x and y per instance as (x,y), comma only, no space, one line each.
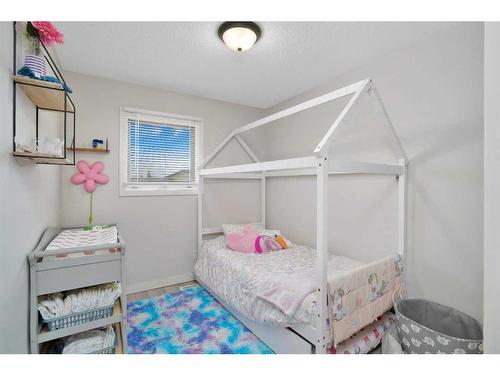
(145,192)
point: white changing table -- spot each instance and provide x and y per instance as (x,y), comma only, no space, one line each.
(51,274)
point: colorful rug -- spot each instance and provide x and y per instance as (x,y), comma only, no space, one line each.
(190,321)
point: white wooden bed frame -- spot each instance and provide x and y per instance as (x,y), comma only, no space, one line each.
(305,338)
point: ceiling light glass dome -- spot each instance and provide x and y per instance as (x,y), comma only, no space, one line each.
(239,36)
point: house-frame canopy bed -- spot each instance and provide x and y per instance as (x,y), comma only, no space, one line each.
(315,336)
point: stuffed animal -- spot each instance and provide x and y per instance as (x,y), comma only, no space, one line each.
(265,244)
(243,241)
(281,240)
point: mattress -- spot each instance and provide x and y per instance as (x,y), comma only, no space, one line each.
(233,276)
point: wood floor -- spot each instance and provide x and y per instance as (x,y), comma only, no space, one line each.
(159,291)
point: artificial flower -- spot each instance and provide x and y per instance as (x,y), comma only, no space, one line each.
(48,33)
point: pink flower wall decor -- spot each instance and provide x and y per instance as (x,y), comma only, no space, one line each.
(48,33)
(89,175)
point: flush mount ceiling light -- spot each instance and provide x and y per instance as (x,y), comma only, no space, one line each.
(239,36)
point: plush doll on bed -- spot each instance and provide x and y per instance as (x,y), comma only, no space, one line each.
(249,241)
(265,244)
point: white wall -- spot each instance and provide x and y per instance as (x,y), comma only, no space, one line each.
(491,187)
(29,202)
(433,90)
(160,231)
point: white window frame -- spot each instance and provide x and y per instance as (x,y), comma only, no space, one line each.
(164,188)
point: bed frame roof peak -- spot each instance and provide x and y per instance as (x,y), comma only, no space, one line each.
(356,90)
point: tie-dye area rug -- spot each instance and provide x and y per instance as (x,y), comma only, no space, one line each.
(190,321)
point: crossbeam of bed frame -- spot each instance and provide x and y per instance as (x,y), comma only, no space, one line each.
(300,167)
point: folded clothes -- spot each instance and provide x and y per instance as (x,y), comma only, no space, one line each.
(89,341)
(56,305)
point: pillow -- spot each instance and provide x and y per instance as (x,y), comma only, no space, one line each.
(243,241)
(237,228)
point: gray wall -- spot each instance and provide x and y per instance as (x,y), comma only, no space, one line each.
(29,202)
(433,90)
(491,187)
(160,230)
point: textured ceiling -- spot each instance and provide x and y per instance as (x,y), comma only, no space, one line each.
(188,57)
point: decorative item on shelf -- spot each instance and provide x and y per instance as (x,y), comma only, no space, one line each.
(95,146)
(35,63)
(97,142)
(90,176)
(40,32)
(46,32)
(34,60)
(50,146)
(41,146)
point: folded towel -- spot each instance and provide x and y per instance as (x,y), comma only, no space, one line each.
(27,72)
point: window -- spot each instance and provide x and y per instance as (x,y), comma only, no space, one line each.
(159,153)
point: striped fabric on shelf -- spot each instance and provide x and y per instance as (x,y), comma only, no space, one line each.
(36,64)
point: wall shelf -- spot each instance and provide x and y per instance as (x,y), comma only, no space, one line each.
(88,149)
(43,94)
(43,158)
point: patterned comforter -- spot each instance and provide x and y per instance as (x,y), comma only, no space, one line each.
(238,278)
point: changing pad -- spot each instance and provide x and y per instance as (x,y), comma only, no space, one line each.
(72,238)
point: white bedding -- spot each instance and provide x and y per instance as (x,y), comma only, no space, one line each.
(236,277)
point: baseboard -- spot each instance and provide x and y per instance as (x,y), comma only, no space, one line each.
(153,284)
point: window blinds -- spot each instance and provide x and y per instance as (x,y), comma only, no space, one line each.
(161,152)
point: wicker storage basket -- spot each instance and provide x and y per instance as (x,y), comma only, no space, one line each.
(79,318)
(428,327)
